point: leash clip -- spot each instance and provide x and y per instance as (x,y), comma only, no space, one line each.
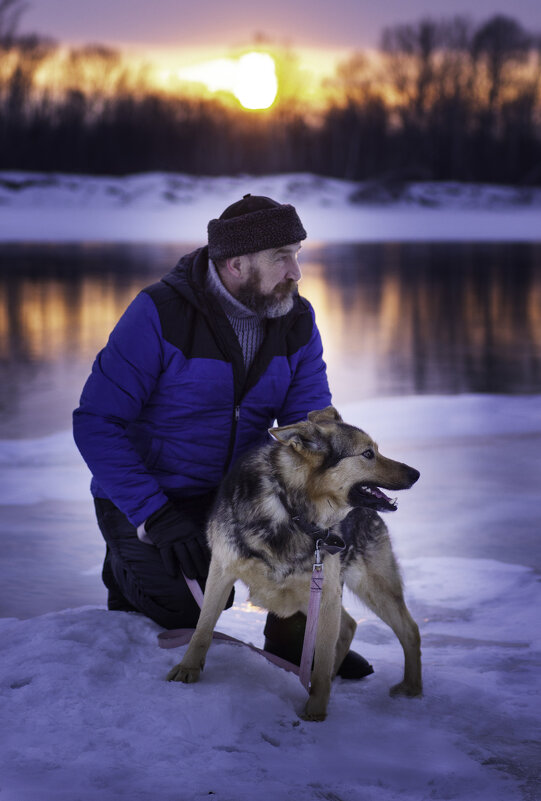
(318,564)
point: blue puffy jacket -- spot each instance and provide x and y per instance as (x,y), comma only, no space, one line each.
(169,406)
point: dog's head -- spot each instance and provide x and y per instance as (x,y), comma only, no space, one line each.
(340,464)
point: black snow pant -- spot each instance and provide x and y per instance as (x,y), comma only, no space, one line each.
(137,581)
(135,576)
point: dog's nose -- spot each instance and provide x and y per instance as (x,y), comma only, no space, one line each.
(413,475)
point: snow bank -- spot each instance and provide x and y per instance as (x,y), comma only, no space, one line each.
(156,207)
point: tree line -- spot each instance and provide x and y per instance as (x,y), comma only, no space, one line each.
(441,100)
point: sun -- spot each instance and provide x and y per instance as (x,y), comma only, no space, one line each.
(256,85)
(251,78)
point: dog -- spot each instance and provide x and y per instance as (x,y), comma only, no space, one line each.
(316,476)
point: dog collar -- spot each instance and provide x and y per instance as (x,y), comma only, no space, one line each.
(326,540)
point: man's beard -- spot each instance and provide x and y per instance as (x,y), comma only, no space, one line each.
(277,303)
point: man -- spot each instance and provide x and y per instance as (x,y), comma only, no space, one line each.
(195,372)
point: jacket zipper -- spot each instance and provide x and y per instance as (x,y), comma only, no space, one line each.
(238,382)
(249,380)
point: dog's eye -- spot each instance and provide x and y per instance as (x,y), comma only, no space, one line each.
(368,453)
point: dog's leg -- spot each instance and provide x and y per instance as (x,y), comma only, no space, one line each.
(218,587)
(377,583)
(347,631)
(326,639)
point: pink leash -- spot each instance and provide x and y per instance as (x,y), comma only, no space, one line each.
(174,638)
(310,633)
(177,637)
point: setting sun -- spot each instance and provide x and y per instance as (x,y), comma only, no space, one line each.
(251,78)
(256,85)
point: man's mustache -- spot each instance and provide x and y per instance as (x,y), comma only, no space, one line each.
(286,287)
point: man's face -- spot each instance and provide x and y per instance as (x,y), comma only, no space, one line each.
(271,283)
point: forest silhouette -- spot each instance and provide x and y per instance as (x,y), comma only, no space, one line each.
(443,99)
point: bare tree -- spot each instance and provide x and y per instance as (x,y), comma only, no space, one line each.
(98,72)
(356,119)
(29,52)
(10,13)
(501,42)
(456,74)
(411,51)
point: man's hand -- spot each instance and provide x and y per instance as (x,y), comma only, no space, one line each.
(181,542)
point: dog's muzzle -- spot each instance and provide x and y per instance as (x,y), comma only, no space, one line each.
(370,496)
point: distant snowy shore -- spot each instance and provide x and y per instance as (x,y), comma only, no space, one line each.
(161,207)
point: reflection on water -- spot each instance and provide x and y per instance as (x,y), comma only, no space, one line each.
(395,319)
(430,318)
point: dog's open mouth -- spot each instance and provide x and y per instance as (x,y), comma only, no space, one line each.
(370,496)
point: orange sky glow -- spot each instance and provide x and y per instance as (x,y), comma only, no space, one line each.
(216,51)
(255,74)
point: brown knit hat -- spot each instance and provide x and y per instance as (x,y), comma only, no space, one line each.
(252,224)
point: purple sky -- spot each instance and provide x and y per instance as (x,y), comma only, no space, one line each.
(331,24)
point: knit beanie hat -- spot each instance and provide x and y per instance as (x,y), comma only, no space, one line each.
(252,224)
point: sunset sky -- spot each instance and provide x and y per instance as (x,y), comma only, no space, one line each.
(208,27)
(204,45)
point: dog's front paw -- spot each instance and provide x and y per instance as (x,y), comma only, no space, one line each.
(184,674)
(409,690)
(314,710)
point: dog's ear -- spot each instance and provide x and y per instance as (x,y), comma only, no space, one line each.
(299,436)
(328,415)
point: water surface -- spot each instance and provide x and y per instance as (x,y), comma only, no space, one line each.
(395,319)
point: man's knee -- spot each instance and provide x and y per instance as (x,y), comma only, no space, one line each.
(165,600)
(140,576)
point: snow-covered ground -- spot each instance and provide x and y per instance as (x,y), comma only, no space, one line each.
(157,207)
(87,714)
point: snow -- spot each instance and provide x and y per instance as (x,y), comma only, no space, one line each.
(87,714)
(164,207)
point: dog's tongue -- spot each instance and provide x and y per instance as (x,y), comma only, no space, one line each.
(379,494)
(371,497)
(383,502)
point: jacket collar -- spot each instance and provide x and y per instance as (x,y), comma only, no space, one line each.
(188,277)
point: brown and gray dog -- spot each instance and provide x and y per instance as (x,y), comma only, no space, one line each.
(317,475)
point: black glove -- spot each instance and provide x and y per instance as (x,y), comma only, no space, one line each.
(181,541)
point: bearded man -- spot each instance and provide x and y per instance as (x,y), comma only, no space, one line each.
(197,369)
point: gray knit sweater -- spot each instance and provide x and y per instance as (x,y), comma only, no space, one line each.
(247,325)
